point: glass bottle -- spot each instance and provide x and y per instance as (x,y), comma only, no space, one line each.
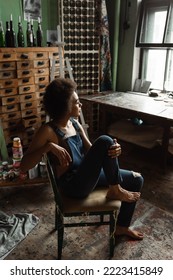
(13,35)
(33,34)
(39,34)
(20,35)
(2,35)
(29,36)
(7,35)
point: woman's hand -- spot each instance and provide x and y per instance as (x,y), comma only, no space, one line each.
(61,153)
(114,150)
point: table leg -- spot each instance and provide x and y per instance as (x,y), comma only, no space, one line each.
(165,144)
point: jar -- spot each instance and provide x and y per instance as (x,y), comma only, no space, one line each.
(17,149)
(5,165)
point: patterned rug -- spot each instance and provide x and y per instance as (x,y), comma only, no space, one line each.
(90,243)
(156,224)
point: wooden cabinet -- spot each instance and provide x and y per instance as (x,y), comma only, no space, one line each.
(24,75)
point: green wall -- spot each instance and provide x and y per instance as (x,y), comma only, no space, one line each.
(14,7)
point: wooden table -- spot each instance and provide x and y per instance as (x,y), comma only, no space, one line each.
(130,105)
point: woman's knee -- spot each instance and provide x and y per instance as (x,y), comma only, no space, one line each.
(138,180)
(104,140)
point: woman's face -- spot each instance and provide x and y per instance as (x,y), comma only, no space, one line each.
(75,105)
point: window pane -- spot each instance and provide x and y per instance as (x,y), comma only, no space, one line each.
(154,67)
(169,32)
(154,25)
(168,85)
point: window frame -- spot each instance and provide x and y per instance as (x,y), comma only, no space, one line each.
(142,11)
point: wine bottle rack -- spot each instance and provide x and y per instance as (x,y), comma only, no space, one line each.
(80,21)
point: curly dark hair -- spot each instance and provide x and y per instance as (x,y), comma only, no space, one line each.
(57,96)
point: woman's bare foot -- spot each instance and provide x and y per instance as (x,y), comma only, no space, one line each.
(118,193)
(134,234)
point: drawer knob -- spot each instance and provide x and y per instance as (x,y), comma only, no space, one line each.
(6,65)
(29,112)
(39,54)
(40,63)
(25,72)
(26,88)
(7,83)
(8,90)
(10,99)
(42,79)
(24,55)
(28,97)
(24,64)
(6,74)
(28,104)
(7,55)
(25,80)
(41,86)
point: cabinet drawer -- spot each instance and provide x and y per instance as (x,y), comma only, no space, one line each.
(42,79)
(54,55)
(40,110)
(8,56)
(26,89)
(39,95)
(7,65)
(9,108)
(8,83)
(40,55)
(27,97)
(41,63)
(29,112)
(32,121)
(8,91)
(40,87)
(12,115)
(25,73)
(10,100)
(11,123)
(25,56)
(28,105)
(8,75)
(26,81)
(41,72)
(28,64)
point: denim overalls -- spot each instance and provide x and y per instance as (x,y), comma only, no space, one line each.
(96,168)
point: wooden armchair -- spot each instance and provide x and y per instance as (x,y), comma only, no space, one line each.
(93,205)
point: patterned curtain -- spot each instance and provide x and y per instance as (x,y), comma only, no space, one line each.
(105,59)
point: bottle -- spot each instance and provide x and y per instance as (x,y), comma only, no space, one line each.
(17,149)
(2,35)
(7,35)
(29,36)
(39,34)
(12,33)
(20,35)
(33,34)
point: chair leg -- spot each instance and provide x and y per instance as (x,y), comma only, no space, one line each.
(112,232)
(101,218)
(60,233)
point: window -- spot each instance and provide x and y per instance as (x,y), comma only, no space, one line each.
(155,38)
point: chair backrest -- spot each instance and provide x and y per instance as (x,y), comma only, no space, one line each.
(53,181)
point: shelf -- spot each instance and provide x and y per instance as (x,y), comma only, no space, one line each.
(27,182)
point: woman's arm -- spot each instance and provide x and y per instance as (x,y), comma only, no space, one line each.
(44,141)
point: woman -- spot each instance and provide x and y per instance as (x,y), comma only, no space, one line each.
(80,165)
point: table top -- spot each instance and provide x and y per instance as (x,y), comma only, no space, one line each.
(161,106)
